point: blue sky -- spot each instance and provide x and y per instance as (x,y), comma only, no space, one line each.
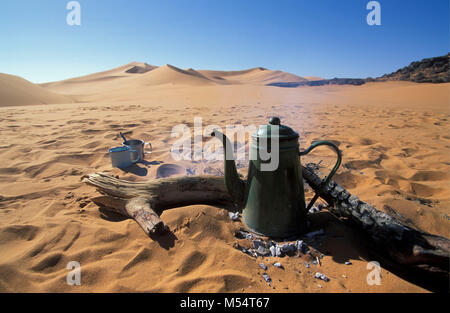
(326,38)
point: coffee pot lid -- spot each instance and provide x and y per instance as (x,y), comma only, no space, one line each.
(267,131)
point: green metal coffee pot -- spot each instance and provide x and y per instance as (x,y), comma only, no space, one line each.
(273,196)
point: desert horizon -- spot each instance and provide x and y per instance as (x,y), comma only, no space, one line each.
(62,142)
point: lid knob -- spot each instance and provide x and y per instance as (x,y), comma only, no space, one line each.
(274,121)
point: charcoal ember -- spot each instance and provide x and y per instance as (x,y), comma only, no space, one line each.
(258,243)
(289,249)
(263,266)
(263,251)
(302,247)
(278,264)
(322,277)
(237,246)
(314,210)
(241,234)
(251,252)
(306,264)
(273,251)
(267,278)
(234,216)
(249,236)
(278,251)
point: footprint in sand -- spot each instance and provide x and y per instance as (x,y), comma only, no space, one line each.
(366,142)
(425,191)
(91,131)
(427,176)
(141,257)
(192,262)
(48,263)
(18,233)
(360,164)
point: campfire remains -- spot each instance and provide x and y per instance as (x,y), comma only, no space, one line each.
(396,242)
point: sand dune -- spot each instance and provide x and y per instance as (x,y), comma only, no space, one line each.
(169,74)
(16,91)
(140,68)
(257,75)
(393,135)
(110,79)
(149,75)
(121,71)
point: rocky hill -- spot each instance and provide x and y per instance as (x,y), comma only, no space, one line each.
(431,70)
(321,82)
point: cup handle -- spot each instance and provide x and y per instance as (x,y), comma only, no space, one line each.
(327,179)
(137,159)
(151,148)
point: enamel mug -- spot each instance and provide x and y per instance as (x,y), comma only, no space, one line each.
(123,157)
(138,147)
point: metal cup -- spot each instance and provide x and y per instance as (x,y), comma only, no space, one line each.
(138,146)
(122,157)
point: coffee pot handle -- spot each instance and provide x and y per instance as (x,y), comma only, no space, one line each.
(327,179)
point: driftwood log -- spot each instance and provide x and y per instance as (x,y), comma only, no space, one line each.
(413,249)
(144,201)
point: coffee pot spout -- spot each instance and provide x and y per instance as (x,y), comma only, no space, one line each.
(235,185)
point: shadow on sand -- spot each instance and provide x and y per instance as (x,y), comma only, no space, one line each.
(166,240)
(136,170)
(345,243)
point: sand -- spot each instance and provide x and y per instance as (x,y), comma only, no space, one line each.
(16,91)
(394,137)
